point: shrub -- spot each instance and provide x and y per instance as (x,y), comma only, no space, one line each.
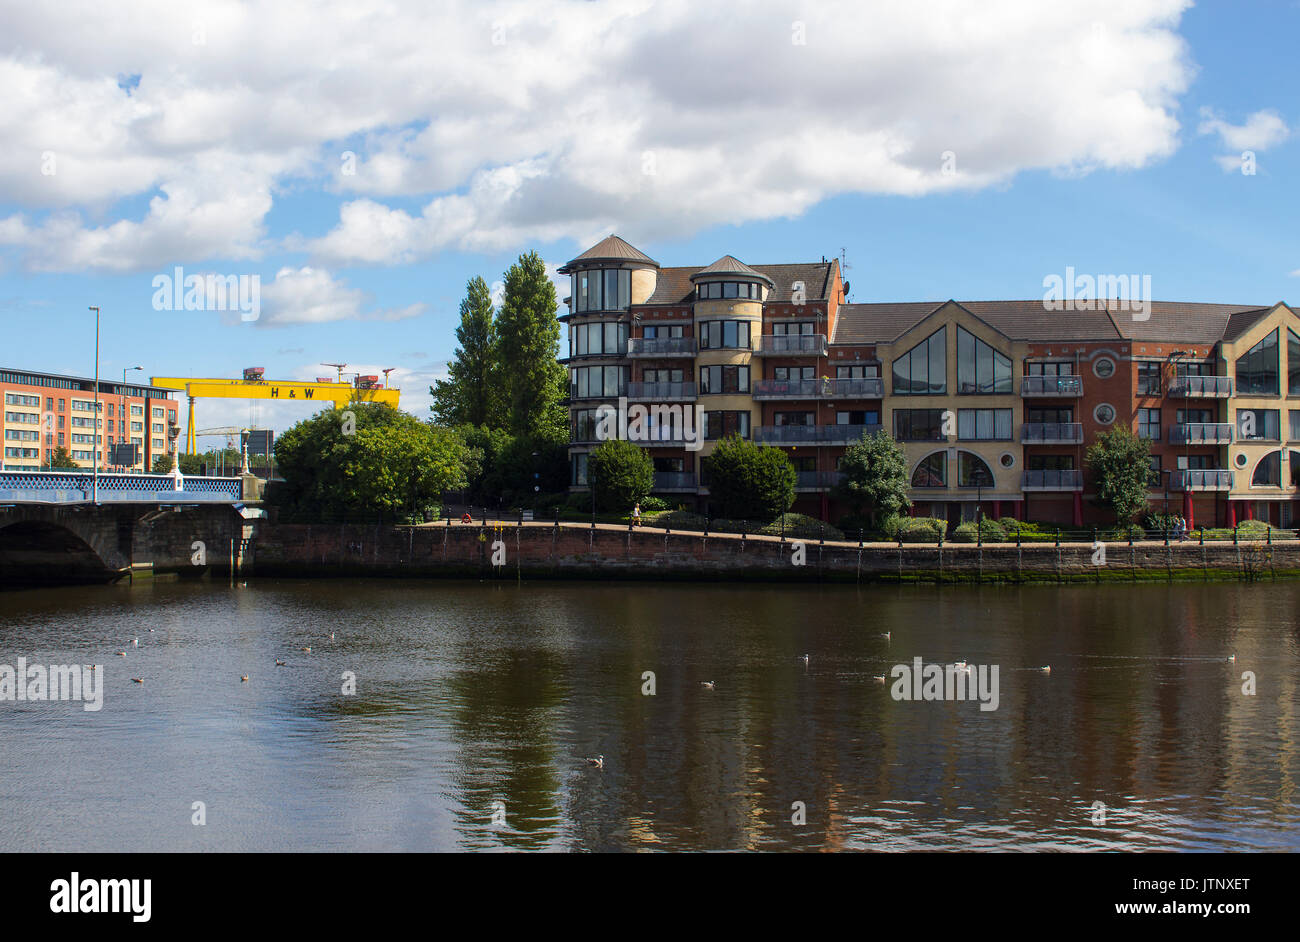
(678,520)
(922,529)
(749,481)
(622,474)
(802,527)
(990,531)
(651,504)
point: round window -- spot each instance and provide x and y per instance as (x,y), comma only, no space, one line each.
(1008,460)
(1103,368)
(1241,460)
(1104,413)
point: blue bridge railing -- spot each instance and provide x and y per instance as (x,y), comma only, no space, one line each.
(76,487)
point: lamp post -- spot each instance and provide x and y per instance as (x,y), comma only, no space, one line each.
(173,433)
(125,437)
(94,425)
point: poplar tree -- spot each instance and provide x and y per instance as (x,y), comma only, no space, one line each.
(529,341)
(472,393)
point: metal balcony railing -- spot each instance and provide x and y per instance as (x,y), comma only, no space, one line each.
(824,388)
(792,345)
(1201,481)
(1201,433)
(1051,386)
(675,481)
(661,347)
(1052,481)
(1187,387)
(661,392)
(1051,433)
(817,480)
(813,434)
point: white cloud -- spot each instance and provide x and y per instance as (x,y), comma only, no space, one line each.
(1262,130)
(487,126)
(313,296)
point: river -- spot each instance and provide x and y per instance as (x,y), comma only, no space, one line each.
(476,705)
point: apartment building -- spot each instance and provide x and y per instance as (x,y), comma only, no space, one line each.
(994,402)
(45,411)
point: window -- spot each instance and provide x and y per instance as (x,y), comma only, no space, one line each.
(590,382)
(601,290)
(662,376)
(49,403)
(794,418)
(584,425)
(918,425)
(714,290)
(1294,417)
(1268,473)
(1259,425)
(135,410)
(1148,378)
(580,470)
(1257,370)
(1103,368)
(724,379)
(13,399)
(984,424)
(932,471)
(793,329)
(1292,363)
(1050,368)
(607,339)
(721,424)
(1184,369)
(1149,424)
(981,370)
(718,335)
(1153,470)
(865,371)
(858,417)
(1193,416)
(972,471)
(1104,414)
(787,373)
(1194,463)
(1061,415)
(669,465)
(1050,462)
(922,371)
(158,412)
(653,331)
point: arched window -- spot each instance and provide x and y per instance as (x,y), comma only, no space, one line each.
(980,369)
(923,370)
(972,471)
(932,471)
(1268,473)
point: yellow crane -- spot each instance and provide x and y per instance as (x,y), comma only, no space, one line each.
(254,385)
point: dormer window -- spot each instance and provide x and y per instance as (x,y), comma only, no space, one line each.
(723,290)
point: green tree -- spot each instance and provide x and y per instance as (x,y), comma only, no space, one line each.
(162,464)
(367,459)
(1120,466)
(60,458)
(529,341)
(472,393)
(875,478)
(749,481)
(621,473)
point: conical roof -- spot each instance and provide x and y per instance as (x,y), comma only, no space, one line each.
(613,249)
(730,265)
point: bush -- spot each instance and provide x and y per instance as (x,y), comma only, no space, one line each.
(651,504)
(989,530)
(622,474)
(677,520)
(1159,522)
(921,529)
(749,481)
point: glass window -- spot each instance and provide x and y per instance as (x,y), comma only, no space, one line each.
(922,371)
(932,471)
(984,424)
(1259,424)
(1268,473)
(1292,363)
(1149,424)
(1148,379)
(1257,370)
(972,471)
(1294,418)
(918,425)
(980,368)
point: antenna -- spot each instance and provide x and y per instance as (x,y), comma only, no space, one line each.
(386,372)
(337,366)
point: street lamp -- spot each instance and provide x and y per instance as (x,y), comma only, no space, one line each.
(125,437)
(94,429)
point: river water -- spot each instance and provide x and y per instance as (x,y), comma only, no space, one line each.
(480,701)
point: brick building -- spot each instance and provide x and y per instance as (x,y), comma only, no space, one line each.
(994,402)
(45,411)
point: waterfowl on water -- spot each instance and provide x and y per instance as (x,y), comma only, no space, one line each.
(307,649)
(137,680)
(121,654)
(804,659)
(279,663)
(135,642)
(887,635)
(243,678)
(879,678)
(706,684)
(1046,670)
(1232,657)
(596,763)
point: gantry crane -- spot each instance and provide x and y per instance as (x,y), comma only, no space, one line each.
(254,385)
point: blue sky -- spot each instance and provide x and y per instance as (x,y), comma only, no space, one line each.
(1106,137)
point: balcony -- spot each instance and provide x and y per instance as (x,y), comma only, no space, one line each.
(662,392)
(813,434)
(1052,481)
(1201,481)
(1051,433)
(792,345)
(1201,433)
(675,481)
(817,480)
(1201,387)
(819,389)
(574,396)
(1051,386)
(661,347)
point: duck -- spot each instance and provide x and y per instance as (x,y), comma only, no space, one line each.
(1232,657)
(331,636)
(279,663)
(307,649)
(706,684)
(137,680)
(887,635)
(243,678)
(879,678)
(596,763)
(804,659)
(135,642)
(121,654)
(1046,669)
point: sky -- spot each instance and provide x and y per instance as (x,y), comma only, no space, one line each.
(363,160)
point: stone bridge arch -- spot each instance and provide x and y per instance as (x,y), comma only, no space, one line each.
(50,545)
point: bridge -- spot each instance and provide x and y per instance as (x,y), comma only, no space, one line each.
(52,530)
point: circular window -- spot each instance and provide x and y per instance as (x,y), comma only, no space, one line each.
(1103,368)
(1241,460)
(1008,460)
(1104,413)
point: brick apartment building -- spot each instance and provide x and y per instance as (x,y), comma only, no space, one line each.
(774,353)
(45,411)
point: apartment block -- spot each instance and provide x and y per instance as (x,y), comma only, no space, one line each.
(45,411)
(994,402)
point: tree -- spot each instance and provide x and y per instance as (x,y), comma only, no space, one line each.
(472,393)
(60,457)
(162,464)
(748,480)
(367,459)
(621,473)
(875,478)
(1120,466)
(528,335)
